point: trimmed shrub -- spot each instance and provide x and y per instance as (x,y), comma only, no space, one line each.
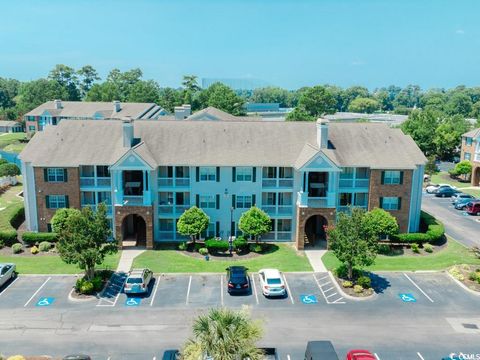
(342,272)
(31,238)
(214,245)
(18,217)
(240,244)
(8,237)
(83,286)
(347,284)
(45,246)
(428,248)
(434,231)
(97,283)
(17,248)
(365,282)
(384,249)
(415,248)
(473,276)
(34,250)
(358,289)
(203,251)
(182,246)
(257,248)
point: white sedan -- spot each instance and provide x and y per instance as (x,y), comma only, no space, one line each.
(431,188)
(272,283)
(7,272)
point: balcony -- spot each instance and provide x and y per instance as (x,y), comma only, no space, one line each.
(171,209)
(177,182)
(94,207)
(303,200)
(274,210)
(97,182)
(134,200)
(318,202)
(354,183)
(277,183)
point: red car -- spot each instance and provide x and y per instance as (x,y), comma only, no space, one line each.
(473,208)
(360,355)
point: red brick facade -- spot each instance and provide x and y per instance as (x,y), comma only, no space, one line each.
(303,214)
(146,212)
(470,149)
(71,188)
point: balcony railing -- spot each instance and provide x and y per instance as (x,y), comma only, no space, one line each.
(284,235)
(133,200)
(317,202)
(94,207)
(269,209)
(182,181)
(277,182)
(285,209)
(171,209)
(349,183)
(166,182)
(95,182)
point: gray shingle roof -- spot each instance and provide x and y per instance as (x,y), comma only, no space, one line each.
(472,133)
(6,123)
(223,143)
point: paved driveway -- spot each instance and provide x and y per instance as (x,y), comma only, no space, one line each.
(458,224)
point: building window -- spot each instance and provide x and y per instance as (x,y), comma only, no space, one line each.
(269,172)
(284,225)
(102,171)
(105,197)
(268,198)
(390,203)
(32,128)
(285,173)
(182,198)
(87,171)
(165,225)
(467,156)
(285,198)
(182,172)
(244,173)
(345,199)
(207,201)
(392,177)
(56,175)
(361,199)
(165,172)
(210,231)
(244,201)
(165,198)
(362,173)
(87,198)
(56,201)
(347,173)
(208,173)
(468,141)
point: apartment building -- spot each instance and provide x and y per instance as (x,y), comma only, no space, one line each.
(52,112)
(471,152)
(149,172)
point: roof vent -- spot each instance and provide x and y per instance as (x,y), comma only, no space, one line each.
(116,106)
(57,104)
(322,133)
(127,133)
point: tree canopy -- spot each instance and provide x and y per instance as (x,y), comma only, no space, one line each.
(9,169)
(192,222)
(255,222)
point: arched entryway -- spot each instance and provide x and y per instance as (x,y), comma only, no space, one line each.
(134,231)
(476,176)
(315,231)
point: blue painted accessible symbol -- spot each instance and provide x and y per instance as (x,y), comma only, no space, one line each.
(132,301)
(407,297)
(45,301)
(308,299)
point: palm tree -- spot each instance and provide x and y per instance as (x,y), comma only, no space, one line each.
(224,334)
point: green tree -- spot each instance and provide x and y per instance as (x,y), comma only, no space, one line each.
(299,114)
(34,93)
(87,76)
(66,77)
(192,222)
(191,87)
(271,95)
(363,105)
(106,91)
(60,218)
(380,223)
(353,93)
(433,100)
(409,97)
(222,97)
(459,103)
(169,98)
(431,166)
(317,101)
(464,168)
(448,135)
(8,91)
(224,334)
(85,240)
(421,126)
(476,110)
(351,243)
(9,170)
(144,92)
(255,222)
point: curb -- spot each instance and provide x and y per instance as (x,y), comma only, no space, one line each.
(476,293)
(57,275)
(350,297)
(72,299)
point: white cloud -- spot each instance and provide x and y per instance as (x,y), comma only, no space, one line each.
(459,31)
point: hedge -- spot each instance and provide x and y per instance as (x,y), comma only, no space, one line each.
(18,217)
(433,231)
(31,238)
(8,238)
(214,245)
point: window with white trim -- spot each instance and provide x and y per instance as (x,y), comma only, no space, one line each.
(208,173)
(244,201)
(391,177)
(207,201)
(244,173)
(468,141)
(56,202)
(390,203)
(165,224)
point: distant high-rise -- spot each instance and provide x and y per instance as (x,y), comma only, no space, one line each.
(236,83)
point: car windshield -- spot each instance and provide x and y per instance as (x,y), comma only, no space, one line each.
(274,281)
(134,280)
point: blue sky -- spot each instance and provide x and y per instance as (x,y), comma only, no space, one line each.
(289,43)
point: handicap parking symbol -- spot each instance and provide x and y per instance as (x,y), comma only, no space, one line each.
(133,301)
(308,299)
(407,297)
(45,301)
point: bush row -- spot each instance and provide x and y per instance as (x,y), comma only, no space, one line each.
(31,238)
(434,231)
(18,217)
(8,237)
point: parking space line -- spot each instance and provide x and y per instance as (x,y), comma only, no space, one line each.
(188,290)
(322,278)
(331,295)
(323,292)
(418,287)
(420,356)
(155,290)
(221,289)
(288,289)
(5,289)
(36,292)
(378,358)
(331,288)
(338,301)
(255,288)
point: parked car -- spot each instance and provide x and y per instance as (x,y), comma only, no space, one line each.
(77,357)
(320,350)
(360,355)
(459,196)
(238,281)
(432,188)
(7,272)
(445,192)
(137,281)
(461,204)
(171,355)
(473,208)
(272,283)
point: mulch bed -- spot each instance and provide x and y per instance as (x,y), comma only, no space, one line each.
(222,256)
(398,250)
(7,251)
(349,291)
(465,270)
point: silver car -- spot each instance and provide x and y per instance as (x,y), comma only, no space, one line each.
(7,272)
(137,281)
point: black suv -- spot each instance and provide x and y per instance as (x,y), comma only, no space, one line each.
(237,280)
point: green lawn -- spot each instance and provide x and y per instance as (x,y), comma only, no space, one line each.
(173,261)
(444,178)
(52,264)
(9,139)
(473,192)
(9,202)
(15,148)
(454,253)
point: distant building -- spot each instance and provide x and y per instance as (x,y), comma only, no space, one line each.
(262,107)
(236,83)
(10,126)
(391,119)
(208,114)
(52,112)
(471,152)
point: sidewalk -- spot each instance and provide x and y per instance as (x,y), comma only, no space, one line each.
(126,260)
(315,258)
